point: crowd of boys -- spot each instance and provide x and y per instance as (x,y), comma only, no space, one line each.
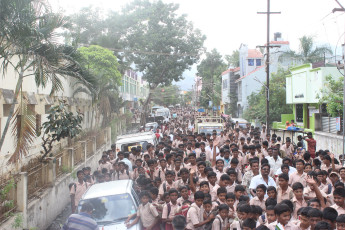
(241,178)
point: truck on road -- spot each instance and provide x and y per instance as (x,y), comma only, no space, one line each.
(206,124)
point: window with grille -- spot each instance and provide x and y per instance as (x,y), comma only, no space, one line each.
(299,112)
(251,62)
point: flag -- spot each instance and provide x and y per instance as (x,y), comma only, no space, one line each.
(279,227)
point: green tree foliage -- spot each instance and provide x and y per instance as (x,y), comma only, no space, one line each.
(28,44)
(232,106)
(210,70)
(166,96)
(101,62)
(332,95)
(164,44)
(233,60)
(104,77)
(187,98)
(161,43)
(308,52)
(61,124)
(91,26)
(257,100)
(86,27)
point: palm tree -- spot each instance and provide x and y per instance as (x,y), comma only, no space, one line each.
(28,44)
(308,52)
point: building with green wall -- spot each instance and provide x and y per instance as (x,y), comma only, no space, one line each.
(303,90)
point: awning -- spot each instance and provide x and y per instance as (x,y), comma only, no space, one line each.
(31,98)
(8,95)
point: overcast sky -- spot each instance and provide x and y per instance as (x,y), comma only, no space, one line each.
(228,23)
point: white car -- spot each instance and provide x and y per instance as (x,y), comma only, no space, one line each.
(113,202)
(151,126)
(126,142)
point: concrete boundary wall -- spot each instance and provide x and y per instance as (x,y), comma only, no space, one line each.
(330,141)
(42,211)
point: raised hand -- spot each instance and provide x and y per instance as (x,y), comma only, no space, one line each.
(310,180)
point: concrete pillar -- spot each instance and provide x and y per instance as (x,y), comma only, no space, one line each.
(22,196)
(106,136)
(70,158)
(83,145)
(51,171)
(109,136)
(94,145)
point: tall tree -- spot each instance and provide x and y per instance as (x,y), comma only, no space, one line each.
(161,43)
(308,52)
(332,95)
(166,96)
(233,60)
(86,27)
(210,70)
(257,100)
(104,78)
(28,44)
(92,26)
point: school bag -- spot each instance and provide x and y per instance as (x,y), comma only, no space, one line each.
(183,211)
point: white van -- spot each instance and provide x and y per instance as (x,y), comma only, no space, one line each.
(126,142)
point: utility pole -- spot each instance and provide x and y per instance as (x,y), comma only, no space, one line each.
(334,10)
(268,13)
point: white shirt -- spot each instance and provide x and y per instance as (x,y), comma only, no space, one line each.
(208,149)
(275,164)
(129,163)
(259,180)
(191,127)
(291,170)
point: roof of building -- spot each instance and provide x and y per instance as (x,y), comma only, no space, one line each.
(253,53)
(231,70)
(256,69)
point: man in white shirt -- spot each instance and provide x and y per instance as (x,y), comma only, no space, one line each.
(209,150)
(263,133)
(262,178)
(275,161)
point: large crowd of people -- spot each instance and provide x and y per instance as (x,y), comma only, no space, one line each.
(240,178)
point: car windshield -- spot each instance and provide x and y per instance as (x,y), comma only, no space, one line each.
(243,125)
(209,129)
(109,209)
(129,146)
